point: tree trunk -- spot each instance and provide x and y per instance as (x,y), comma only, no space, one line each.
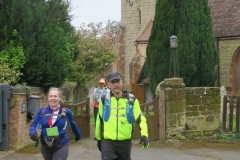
(80,93)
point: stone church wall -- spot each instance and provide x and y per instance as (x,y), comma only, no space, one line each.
(130,21)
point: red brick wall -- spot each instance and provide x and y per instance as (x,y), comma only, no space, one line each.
(119,65)
(18,123)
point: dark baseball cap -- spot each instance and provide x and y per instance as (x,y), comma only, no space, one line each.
(114,75)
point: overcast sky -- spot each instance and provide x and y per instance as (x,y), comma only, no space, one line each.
(86,11)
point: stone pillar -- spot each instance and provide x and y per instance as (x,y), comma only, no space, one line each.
(175,100)
(18,123)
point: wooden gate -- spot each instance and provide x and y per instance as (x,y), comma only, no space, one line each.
(139,92)
(152,117)
(231,113)
(81,113)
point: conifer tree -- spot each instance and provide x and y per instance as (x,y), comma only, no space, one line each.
(44,32)
(191,22)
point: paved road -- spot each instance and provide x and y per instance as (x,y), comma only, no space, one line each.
(86,149)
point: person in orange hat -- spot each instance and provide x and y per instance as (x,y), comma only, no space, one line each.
(97,94)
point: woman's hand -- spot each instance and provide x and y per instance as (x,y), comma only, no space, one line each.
(34,137)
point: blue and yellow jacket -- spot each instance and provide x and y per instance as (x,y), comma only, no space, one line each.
(61,123)
(117,127)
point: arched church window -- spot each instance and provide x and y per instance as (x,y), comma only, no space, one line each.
(139,16)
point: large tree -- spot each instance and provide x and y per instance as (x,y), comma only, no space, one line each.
(191,22)
(96,44)
(53,50)
(49,61)
(45,34)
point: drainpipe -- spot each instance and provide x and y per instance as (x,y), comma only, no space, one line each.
(218,67)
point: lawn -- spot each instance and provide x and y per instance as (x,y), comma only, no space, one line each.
(234,124)
(234,129)
(151,113)
(229,135)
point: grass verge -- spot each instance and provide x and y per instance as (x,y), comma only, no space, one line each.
(226,136)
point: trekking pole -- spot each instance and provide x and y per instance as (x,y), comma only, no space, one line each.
(36,144)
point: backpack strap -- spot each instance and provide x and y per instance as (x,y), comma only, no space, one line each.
(43,111)
(130,115)
(63,114)
(97,93)
(104,91)
(107,108)
(103,99)
(42,114)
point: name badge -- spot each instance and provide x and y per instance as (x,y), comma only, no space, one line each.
(53,131)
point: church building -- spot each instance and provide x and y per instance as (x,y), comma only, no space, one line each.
(137,17)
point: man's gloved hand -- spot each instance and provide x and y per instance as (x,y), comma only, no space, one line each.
(145,142)
(78,138)
(99,145)
(34,137)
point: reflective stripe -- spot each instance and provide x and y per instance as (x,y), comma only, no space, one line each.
(119,115)
(118,108)
(38,126)
(52,114)
(65,125)
(106,108)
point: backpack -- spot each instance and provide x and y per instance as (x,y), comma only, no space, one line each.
(52,141)
(97,94)
(63,114)
(107,108)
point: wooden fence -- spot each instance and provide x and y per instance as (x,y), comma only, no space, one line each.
(81,113)
(152,117)
(231,113)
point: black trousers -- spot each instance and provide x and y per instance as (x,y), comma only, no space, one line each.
(56,153)
(116,150)
(95,111)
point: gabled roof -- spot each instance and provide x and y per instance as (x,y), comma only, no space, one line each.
(144,36)
(225,23)
(225,17)
(225,20)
